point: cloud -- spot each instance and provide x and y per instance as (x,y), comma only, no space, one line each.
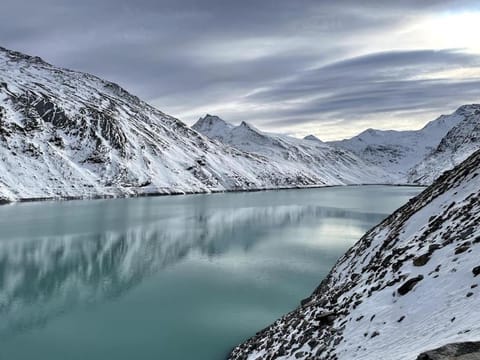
(281,64)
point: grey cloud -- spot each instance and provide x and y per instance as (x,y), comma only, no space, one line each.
(384,82)
(175,53)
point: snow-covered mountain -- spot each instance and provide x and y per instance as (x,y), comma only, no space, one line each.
(461,141)
(411,284)
(70,134)
(401,151)
(420,156)
(406,157)
(312,157)
(312,138)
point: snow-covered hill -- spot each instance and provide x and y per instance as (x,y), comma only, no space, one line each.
(400,151)
(70,134)
(411,284)
(310,156)
(461,141)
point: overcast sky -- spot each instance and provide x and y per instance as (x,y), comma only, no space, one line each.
(331,68)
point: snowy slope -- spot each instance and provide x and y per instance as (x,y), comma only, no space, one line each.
(399,151)
(460,142)
(70,134)
(314,158)
(409,285)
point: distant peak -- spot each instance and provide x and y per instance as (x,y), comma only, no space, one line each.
(312,138)
(212,118)
(17,55)
(248,126)
(209,122)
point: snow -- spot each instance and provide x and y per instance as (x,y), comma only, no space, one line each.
(407,154)
(372,319)
(312,138)
(66,134)
(459,143)
(314,158)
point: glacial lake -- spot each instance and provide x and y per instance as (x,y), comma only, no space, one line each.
(177,277)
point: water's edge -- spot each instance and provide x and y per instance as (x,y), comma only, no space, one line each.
(176,193)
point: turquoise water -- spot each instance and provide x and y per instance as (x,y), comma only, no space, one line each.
(182,277)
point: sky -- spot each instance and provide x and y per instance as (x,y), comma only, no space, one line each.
(329,68)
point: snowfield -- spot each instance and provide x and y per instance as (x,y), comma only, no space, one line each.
(411,284)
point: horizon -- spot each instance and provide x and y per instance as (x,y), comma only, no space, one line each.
(331,70)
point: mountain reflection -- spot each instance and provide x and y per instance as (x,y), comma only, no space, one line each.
(42,277)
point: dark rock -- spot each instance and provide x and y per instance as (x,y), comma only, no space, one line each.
(453,351)
(299,354)
(409,285)
(476,270)
(461,249)
(421,260)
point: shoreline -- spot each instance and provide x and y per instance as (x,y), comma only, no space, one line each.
(177,193)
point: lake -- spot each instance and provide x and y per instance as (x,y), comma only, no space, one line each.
(174,277)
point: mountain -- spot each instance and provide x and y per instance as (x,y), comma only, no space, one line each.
(314,158)
(408,286)
(461,141)
(66,134)
(401,151)
(312,138)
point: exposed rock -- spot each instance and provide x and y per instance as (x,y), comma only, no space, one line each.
(409,285)
(456,351)
(476,270)
(421,260)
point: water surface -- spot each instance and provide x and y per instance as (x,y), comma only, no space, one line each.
(182,277)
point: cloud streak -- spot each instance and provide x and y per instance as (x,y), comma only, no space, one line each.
(302,66)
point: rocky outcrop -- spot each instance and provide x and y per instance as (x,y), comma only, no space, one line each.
(456,351)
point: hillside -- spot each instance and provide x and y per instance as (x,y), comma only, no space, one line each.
(409,285)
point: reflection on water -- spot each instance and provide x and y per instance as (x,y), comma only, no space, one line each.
(55,257)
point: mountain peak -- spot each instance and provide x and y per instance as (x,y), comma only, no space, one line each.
(16,55)
(212,126)
(468,109)
(312,138)
(249,126)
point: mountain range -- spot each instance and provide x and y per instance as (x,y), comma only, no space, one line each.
(405,157)
(67,134)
